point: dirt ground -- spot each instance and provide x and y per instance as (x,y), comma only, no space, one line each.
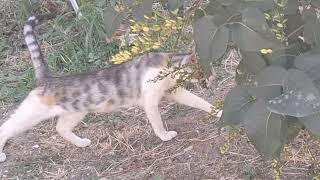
(125,147)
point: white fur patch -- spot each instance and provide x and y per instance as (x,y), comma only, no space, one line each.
(29,39)
(35,54)
(33,47)
(32,18)
(27,28)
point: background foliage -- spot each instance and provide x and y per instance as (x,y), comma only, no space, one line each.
(277,92)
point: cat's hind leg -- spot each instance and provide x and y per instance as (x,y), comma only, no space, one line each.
(65,125)
(31,111)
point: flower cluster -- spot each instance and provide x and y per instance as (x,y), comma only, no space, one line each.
(152,32)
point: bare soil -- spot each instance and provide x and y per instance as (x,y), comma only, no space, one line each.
(124,147)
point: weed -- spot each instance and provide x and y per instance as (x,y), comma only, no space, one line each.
(74,45)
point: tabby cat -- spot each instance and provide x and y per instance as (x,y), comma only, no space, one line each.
(71,97)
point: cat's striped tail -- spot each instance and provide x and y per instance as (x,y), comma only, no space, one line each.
(39,64)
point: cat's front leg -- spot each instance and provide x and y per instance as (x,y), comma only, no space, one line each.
(152,111)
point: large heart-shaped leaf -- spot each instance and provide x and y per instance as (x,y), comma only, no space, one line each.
(211,42)
(249,40)
(291,128)
(251,64)
(310,64)
(315,2)
(264,129)
(224,11)
(236,105)
(219,43)
(312,123)
(292,7)
(260,4)
(265,92)
(174,4)
(254,18)
(301,97)
(227,2)
(203,30)
(311,31)
(272,75)
(268,83)
(142,8)
(112,20)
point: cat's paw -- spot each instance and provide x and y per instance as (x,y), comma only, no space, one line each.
(219,114)
(2,157)
(167,135)
(83,142)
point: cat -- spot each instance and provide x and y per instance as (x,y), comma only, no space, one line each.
(71,97)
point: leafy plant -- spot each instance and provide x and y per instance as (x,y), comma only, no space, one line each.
(277,92)
(278,79)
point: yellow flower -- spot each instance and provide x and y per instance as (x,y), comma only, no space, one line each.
(266,51)
(145,29)
(127,53)
(172,21)
(135,50)
(280,25)
(168,24)
(156,45)
(119,7)
(156,28)
(141,40)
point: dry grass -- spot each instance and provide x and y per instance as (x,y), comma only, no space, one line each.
(124,147)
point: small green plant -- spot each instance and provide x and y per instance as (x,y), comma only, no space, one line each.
(233,133)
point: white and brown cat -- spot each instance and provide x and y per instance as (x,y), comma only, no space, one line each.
(71,97)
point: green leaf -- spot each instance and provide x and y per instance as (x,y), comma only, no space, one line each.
(264,130)
(292,7)
(141,9)
(215,8)
(174,4)
(254,18)
(223,13)
(203,30)
(236,105)
(112,20)
(272,75)
(315,2)
(293,27)
(301,97)
(277,58)
(211,42)
(268,83)
(260,4)
(312,123)
(219,43)
(311,31)
(249,40)
(265,92)
(251,64)
(227,2)
(291,128)
(310,64)
(199,13)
